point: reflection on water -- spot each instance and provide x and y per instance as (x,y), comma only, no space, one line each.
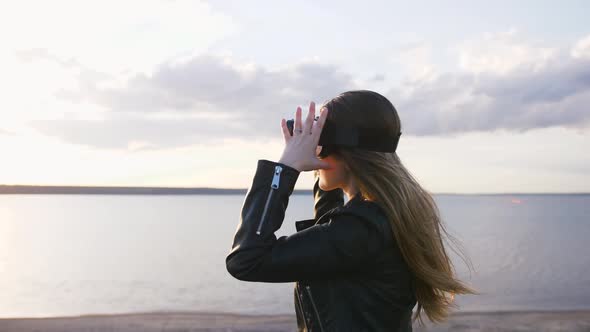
(77,254)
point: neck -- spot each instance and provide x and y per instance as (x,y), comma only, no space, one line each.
(350,190)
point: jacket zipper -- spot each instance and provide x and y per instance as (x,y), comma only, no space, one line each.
(298,290)
(273,186)
(314,307)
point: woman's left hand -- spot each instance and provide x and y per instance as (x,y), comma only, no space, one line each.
(300,149)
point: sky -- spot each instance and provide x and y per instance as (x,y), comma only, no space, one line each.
(494,97)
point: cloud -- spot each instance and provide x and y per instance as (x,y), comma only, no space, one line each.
(504,85)
(582,48)
(517,87)
(247,92)
(502,53)
(207,98)
(416,61)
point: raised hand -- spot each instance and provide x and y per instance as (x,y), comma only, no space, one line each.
(301,149)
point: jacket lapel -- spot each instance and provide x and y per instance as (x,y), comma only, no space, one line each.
(354,206)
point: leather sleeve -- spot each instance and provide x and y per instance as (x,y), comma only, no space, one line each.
(323,251)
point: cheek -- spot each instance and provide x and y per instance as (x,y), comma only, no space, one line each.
(331,177)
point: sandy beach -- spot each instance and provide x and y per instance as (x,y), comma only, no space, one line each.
(203,321)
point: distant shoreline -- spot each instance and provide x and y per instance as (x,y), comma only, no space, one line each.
(114,190)
(117,190)
(572,320)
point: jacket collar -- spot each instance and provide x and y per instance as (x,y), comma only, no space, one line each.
(356,205)
(359,203)
(356,200)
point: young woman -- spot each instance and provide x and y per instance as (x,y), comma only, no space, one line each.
(359,266)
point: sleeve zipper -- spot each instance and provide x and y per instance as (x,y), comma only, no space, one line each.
(298,291)
(314,307)
(273,186)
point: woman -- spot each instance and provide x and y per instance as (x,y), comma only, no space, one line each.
(359,266)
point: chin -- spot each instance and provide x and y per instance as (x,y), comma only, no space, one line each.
(323,186)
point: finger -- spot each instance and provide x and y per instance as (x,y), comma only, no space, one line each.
(285,130)
(309,119)
(297,124)
(323,165)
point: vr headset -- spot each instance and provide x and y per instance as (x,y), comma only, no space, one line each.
(334,136)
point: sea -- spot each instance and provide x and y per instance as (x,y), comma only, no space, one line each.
(65,255)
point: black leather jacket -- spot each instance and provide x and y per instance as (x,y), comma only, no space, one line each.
(349,274)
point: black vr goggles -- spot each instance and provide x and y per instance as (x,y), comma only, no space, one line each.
(334,136)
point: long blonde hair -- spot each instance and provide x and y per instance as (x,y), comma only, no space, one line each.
(410,209)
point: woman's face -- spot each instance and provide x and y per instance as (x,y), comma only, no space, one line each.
(336,176)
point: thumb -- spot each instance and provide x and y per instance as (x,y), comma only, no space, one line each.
(324,165)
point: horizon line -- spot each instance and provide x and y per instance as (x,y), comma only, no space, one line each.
(142,190)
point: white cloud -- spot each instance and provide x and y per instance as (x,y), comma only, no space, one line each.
(500,53)
(416,61)
(582,48)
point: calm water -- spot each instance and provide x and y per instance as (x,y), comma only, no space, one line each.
(79,254)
